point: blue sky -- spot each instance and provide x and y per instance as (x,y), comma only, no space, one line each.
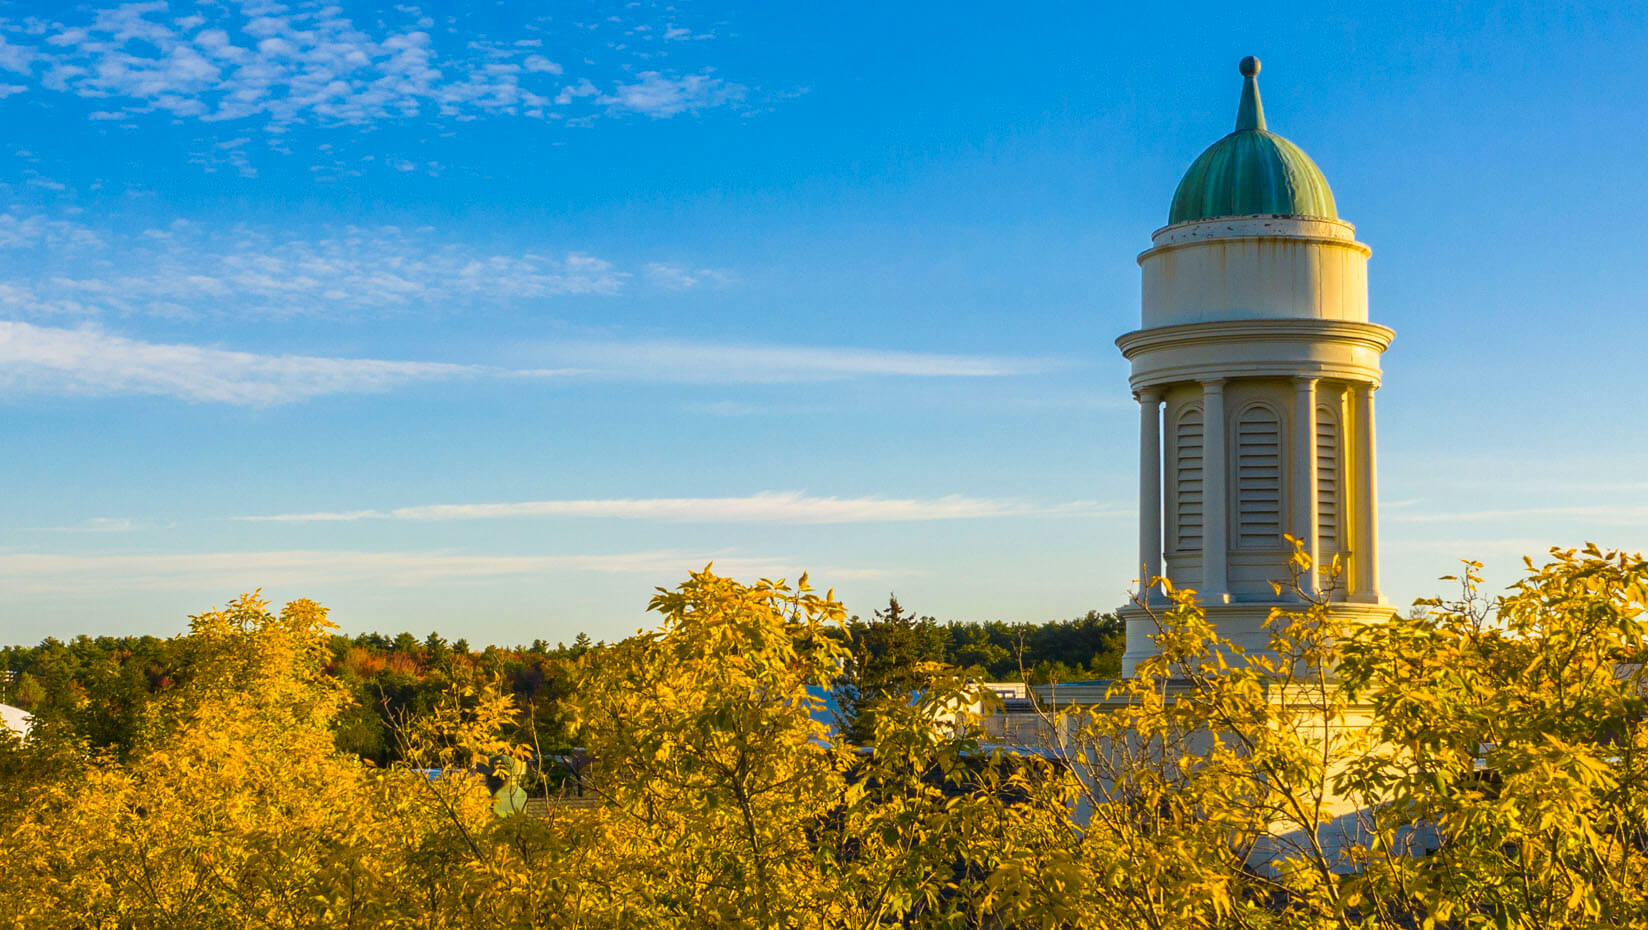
(491,320)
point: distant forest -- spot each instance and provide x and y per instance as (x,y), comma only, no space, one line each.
(100,688)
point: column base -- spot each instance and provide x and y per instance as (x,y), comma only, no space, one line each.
(1242,623)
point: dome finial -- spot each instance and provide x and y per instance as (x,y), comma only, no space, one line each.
(1250,115)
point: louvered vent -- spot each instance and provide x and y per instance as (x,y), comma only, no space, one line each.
(1327,482)
(1187,482)
(1259,479)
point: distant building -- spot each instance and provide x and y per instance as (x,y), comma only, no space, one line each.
(1020,721)
(16,719)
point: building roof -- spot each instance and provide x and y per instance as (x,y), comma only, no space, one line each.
(1252,171)
(15,719)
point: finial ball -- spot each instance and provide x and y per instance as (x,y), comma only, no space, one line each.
(1249,66)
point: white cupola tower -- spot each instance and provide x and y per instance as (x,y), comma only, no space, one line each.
(1255,367)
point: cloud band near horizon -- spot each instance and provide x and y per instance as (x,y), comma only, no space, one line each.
(782,507)
(229,573)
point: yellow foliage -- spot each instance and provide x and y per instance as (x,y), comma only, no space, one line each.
(238,811)
(1477,764)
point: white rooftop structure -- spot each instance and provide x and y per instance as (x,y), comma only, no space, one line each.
(16,719)
(1255,367)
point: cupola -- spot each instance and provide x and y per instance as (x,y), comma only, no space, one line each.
(1252,171)
(1255,366)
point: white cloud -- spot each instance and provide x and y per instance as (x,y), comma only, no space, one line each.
(33,574)
(539,63)
(89,361)
(660,96)
(192,270)
(675,277)
(98,525)
(780,507)
(312,63)
(572,92)
(231,152)
(18,59)
(723,364)
(31,231)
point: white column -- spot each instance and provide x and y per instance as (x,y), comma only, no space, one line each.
(1366,551)
(1215,480)
(1305,524)
(1150,488)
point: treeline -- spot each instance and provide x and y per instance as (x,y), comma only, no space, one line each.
(1087,647)
(101,688)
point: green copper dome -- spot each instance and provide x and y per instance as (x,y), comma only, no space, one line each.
(1251,171)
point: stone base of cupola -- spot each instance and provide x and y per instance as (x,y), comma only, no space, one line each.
(1244,624)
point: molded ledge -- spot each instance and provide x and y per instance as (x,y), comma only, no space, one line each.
(1141,341)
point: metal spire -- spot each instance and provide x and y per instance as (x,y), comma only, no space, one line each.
(1251,114)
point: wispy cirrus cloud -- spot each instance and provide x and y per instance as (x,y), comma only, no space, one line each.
(97,525)
(35,574)
(58,267)
(29,231)
(780,507)
(661,95)
(672,276)
(712,363)
(89,360)
(280,65)
(40,359)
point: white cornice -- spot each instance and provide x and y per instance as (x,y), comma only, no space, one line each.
(1338,350)
(1155,339)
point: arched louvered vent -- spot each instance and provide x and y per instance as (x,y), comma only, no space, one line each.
(1259,479)
(1327,483)
(1187,480)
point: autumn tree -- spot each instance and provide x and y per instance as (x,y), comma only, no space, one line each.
(709,753)
(730,801)
(1510,785)
(887,660)
(236,810)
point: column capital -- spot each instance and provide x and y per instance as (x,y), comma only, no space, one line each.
(1149,395)
(1304,382)
(1213,385)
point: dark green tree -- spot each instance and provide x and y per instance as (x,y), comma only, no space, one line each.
(890,657)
